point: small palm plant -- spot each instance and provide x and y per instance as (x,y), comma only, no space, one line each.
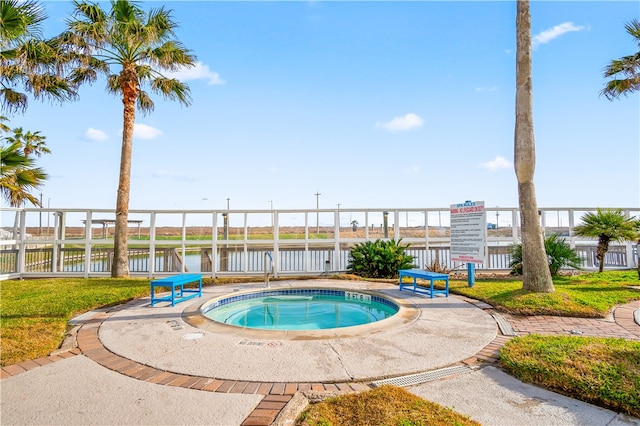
(559,255)
(606,225)
(379,259)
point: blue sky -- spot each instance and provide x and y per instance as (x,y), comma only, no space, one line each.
(372,104)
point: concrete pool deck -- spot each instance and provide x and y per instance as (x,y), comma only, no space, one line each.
(249,380)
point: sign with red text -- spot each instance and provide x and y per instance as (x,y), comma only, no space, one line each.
(468,232)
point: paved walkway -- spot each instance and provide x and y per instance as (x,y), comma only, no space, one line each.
(235,398)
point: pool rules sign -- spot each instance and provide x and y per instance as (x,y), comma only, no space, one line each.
(468,232)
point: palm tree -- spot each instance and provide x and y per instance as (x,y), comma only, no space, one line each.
(27,62)
(140,45)
(31,143)
(19,176)
(607,225)
(626,70)
(535,270)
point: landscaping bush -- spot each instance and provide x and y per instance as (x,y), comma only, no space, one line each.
(559,255)
(379,259)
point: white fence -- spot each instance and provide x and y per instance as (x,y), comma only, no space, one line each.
(76,242)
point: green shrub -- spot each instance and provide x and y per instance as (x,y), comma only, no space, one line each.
(379,259)
(559,255)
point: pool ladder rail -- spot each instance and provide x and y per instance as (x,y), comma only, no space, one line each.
(267,269)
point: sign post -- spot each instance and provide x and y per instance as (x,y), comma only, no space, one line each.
(468,235)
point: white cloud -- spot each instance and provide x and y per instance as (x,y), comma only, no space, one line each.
(486,89)
(405,122)
(199,72)
(497,163)
(547,35)
(95,134)
(142,131)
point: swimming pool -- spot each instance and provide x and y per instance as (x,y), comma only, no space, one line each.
(300,309)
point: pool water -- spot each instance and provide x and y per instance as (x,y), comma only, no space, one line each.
(303,311)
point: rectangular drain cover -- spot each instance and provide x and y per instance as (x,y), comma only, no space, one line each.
(414,379)
(504,325)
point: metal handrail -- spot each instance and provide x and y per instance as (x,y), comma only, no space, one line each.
(267,270)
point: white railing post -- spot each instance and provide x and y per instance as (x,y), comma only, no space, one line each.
(214,245)
(572,235)
(87,244)
(514,227)
(276,245)
(306,242)
(23,242)
(152,245)
(631,262)
(396,224)
(336,245)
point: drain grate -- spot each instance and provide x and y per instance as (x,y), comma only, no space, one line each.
(505,327)
(414,379)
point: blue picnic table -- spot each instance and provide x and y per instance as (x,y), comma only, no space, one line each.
(427,276)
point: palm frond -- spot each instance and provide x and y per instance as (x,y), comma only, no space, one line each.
(172,89)
(633,29)
(20,20)
(145,104)
(625,72)
(172,55)
(12,100)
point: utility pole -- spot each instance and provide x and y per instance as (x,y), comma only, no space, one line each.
(317,194)
(228,199)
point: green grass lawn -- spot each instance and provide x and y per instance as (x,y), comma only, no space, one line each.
(35,313)
(589,295)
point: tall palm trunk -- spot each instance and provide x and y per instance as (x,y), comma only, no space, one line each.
(535,268)
(129,84)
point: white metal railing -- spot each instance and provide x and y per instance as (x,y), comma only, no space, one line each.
(79,242)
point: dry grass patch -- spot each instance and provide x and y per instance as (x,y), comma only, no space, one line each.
(383,406)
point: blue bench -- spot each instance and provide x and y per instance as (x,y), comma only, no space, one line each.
(424,275)
(178,292)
